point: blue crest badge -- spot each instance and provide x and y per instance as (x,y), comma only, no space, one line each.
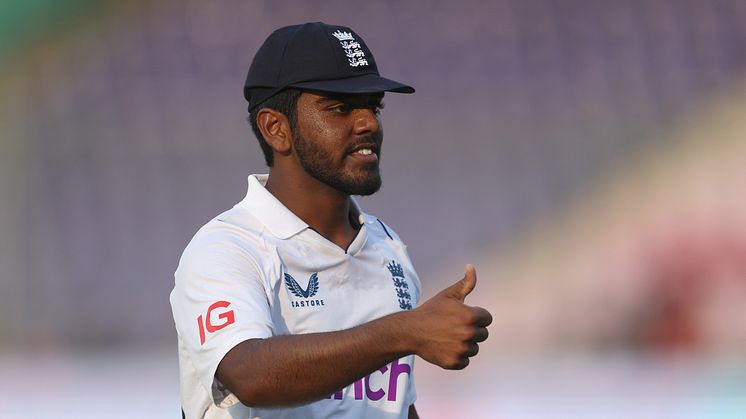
(400,284)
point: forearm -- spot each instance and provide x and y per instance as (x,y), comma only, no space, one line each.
(295,369)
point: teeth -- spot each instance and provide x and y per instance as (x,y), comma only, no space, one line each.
(365,151)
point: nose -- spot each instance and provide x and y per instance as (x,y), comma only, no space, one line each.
(366,121)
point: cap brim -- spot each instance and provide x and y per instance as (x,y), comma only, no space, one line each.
(364,83)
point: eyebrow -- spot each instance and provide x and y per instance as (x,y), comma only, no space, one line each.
(324,99)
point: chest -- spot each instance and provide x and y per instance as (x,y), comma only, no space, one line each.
(326,292)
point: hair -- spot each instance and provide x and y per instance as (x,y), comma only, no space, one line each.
(285,102)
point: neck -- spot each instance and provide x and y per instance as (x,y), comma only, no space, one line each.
(323,208)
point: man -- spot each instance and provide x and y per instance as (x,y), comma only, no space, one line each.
(295,303)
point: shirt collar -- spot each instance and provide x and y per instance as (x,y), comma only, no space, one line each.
(275,216)
(279,220)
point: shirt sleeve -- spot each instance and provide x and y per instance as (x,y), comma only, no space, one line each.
(219,300)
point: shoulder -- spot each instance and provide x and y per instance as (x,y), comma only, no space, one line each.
(233,238)
(378,227)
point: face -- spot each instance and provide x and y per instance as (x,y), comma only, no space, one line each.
(338,140)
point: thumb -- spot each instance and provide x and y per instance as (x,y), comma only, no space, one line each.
(465,285)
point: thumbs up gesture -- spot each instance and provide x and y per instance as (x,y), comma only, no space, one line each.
(448,331)
(464,286)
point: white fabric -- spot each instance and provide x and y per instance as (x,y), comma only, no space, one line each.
(243,266)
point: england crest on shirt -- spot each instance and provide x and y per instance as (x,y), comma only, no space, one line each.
(400,285)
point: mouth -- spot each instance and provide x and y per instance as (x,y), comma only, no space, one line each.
(367,152)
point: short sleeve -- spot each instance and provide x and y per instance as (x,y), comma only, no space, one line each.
(219,300)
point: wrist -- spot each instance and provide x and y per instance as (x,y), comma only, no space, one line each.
(405,333)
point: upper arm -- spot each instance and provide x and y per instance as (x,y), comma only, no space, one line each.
(219,300)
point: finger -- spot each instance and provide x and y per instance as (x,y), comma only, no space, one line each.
(484,318)
(461,364)
(470,280)
(481,334)
(464,286)
(472,350)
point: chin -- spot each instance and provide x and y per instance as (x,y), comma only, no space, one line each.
(362,187)
(365,189)
(367,192)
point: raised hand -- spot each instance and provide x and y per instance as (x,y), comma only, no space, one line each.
(446,330)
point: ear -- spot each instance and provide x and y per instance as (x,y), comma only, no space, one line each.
(275,129)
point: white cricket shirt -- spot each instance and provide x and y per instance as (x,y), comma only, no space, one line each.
(257,271)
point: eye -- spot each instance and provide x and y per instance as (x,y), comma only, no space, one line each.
(341,108)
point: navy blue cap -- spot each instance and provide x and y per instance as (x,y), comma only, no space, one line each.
(315,56)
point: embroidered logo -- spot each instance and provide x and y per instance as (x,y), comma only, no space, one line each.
(402,288)
(298,291)
(343,36)
(352,48)
(311,289)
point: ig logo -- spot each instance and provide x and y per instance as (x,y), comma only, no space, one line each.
(226,318)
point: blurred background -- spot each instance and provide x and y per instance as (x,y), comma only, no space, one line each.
(589,157)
